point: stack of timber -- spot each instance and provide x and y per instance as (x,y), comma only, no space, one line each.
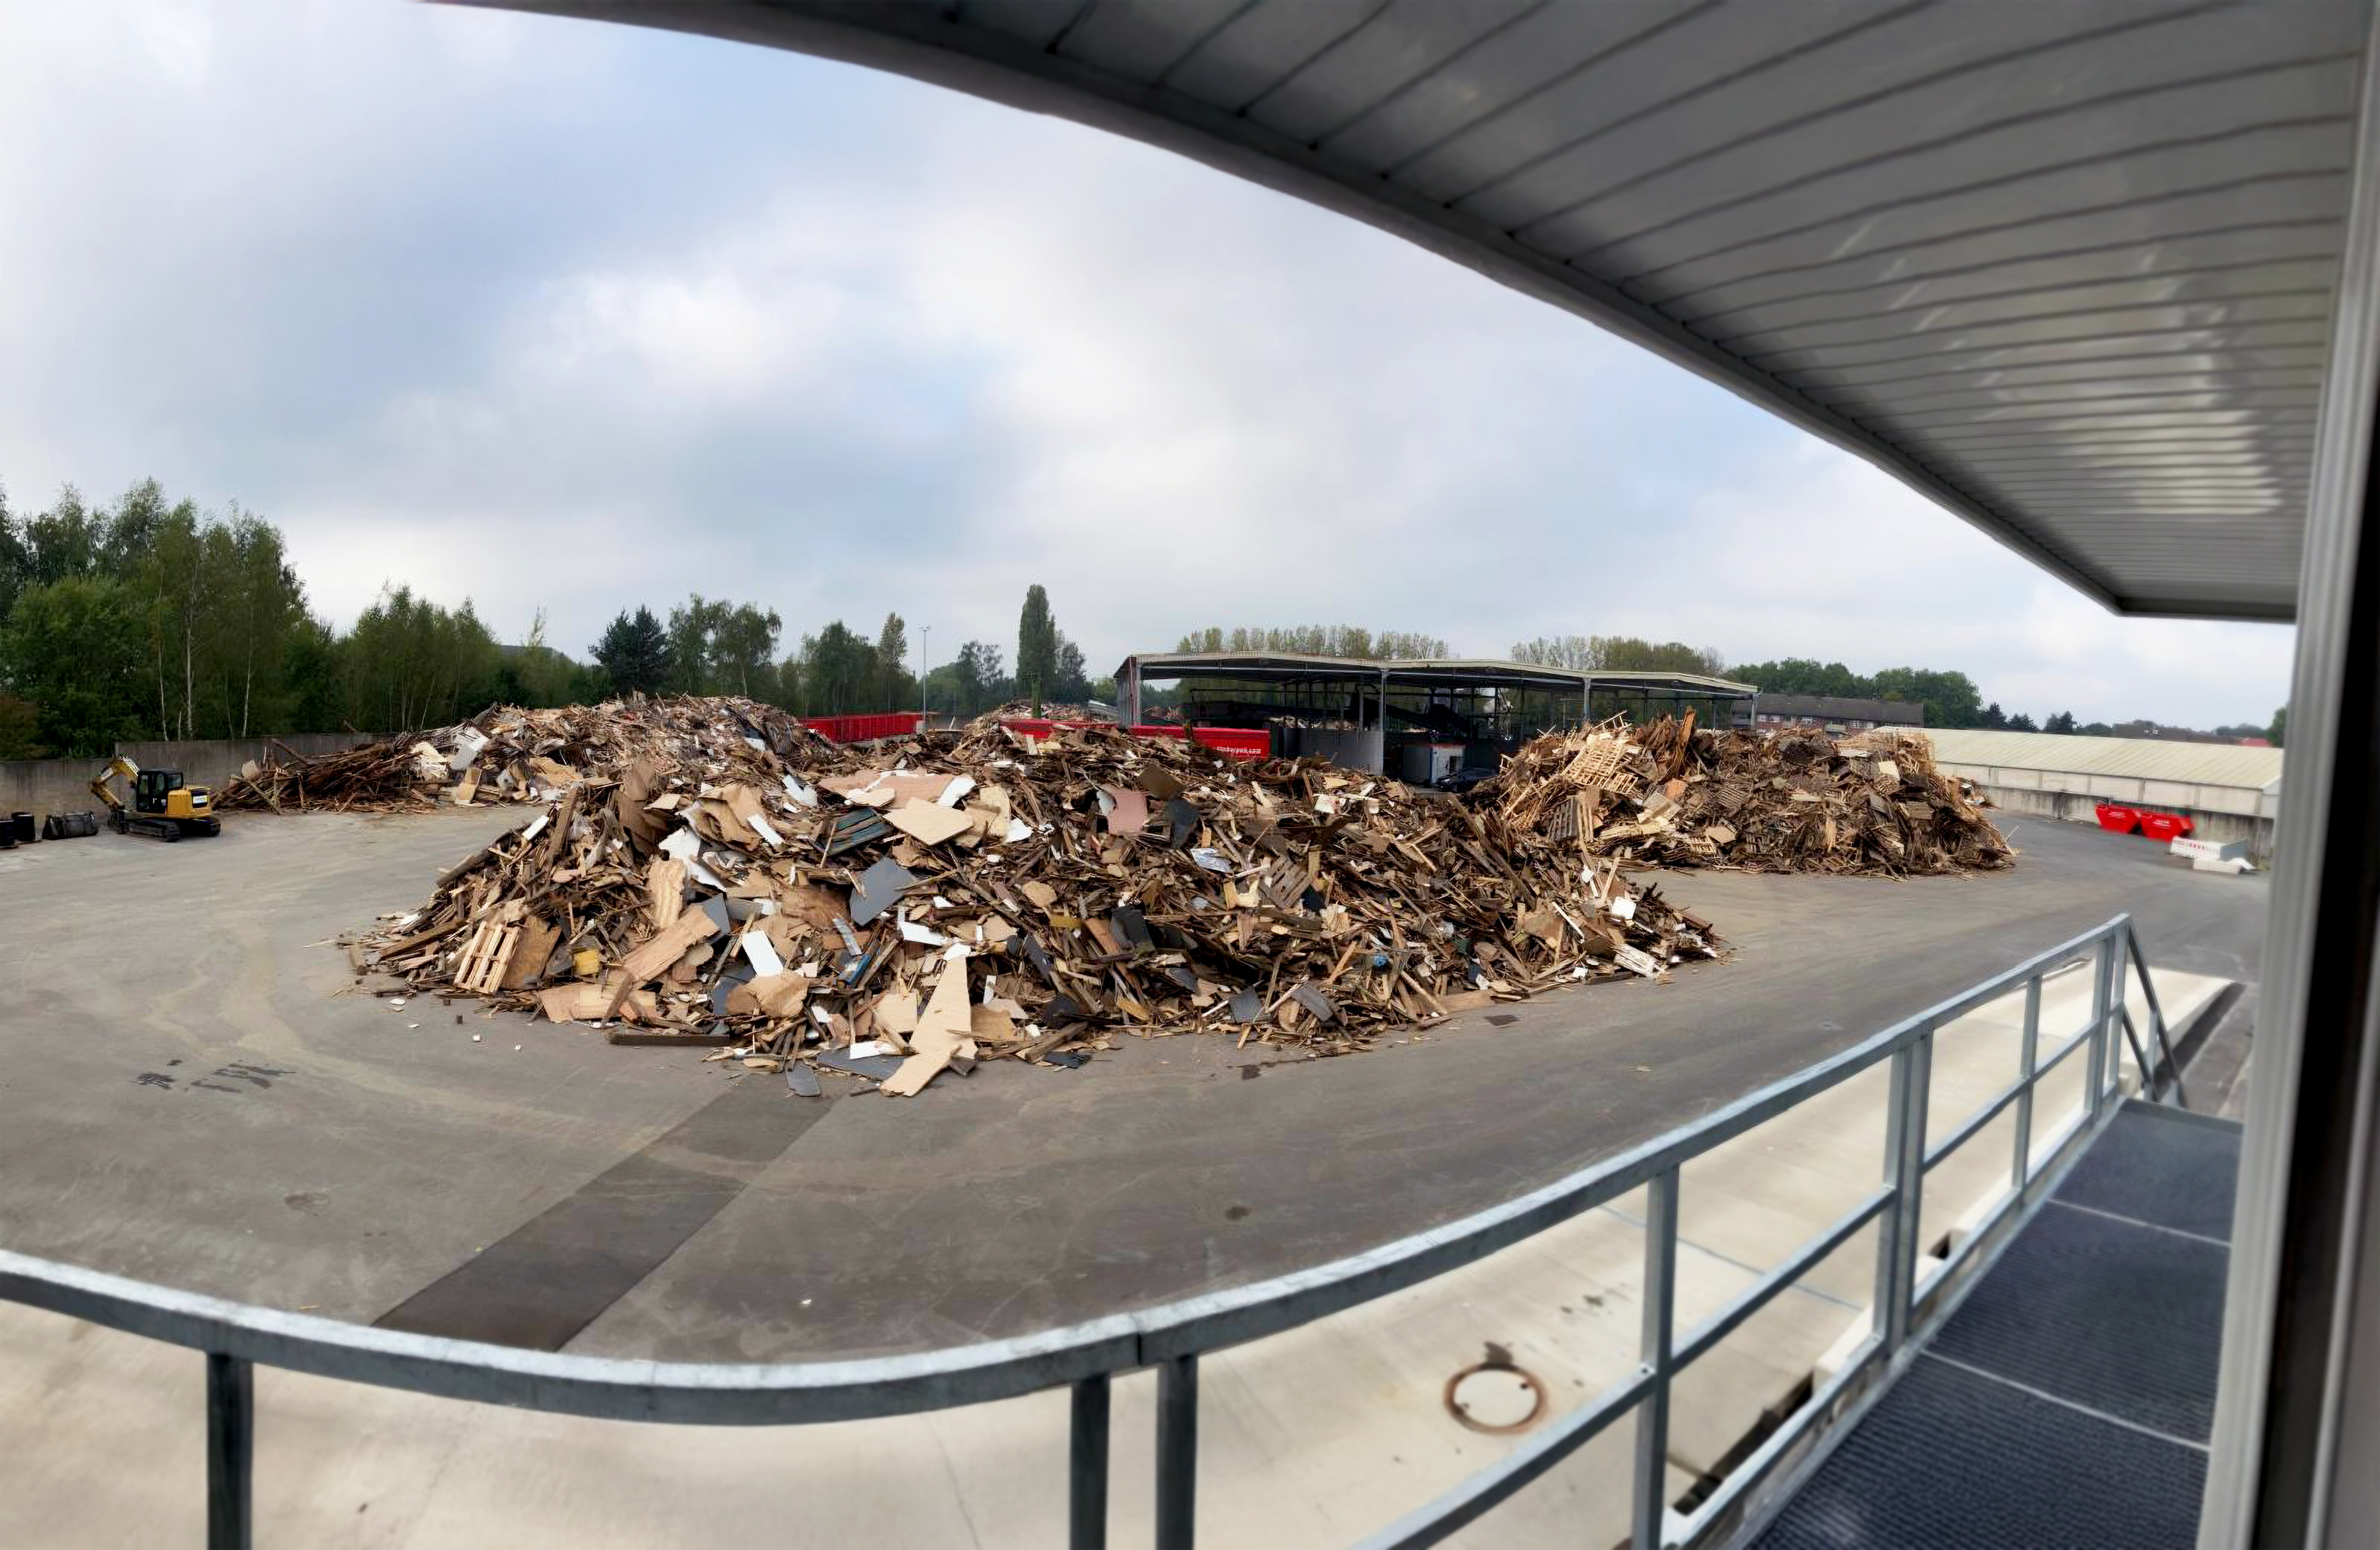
(508,754)
(978,895)
(1665,794)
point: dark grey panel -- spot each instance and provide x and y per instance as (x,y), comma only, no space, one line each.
(1038,22)
(2204,48)
(2215,250)
(2160,1170)
(2191,345)
(1380,61)
(1951,1461)
(2080,200)
(2102,1311)
(1265,45)
(2312,276)
(2203,318)
(1142,41)
(1621,80)
(1907,53)
(1491,75)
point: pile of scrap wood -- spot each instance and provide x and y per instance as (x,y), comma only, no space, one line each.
(1665,794)
(975,896)
(510,754)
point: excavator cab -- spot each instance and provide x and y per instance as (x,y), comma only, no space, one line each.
(149,788)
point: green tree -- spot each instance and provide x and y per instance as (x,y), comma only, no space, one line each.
(2063,723)
(743,650)
(64,650)
(892,687)
(1626,653)
(2280,725)
(691,626)
(1950,698)
(1037,644)
(838,670)
(62,542)
(975,674)
(1993,716)
(20,727)
(633,653)
(409,664)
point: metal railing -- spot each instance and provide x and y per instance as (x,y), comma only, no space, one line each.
(235,1338)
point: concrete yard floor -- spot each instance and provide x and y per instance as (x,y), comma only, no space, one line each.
(188,1098)
(1317,1436)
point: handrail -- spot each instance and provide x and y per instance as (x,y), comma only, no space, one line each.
(1170,1336)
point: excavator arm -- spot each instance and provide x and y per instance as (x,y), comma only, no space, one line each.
(103,785)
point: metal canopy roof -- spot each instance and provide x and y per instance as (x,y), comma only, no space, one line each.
(1422,669)
(2066,269)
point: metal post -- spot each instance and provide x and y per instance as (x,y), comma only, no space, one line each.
(231,1449)
(1650,1498)
(1896,1230)
(2096,1074)
(925,663)
(2028,1059)
(1087,1467)
(1177,1452)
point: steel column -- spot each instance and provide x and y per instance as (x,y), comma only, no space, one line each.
(2096,1073)
(1896,1269)
(2028,1058)
(1651,1494)
(1087,1467)
(231,1450)
(1177,1452)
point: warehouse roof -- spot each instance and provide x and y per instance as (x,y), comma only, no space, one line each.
(1290,664)
(2148,758)
(2066,269)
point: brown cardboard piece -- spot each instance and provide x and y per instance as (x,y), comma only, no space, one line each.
(942,1031)
(927,823)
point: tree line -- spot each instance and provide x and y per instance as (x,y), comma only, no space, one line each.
(1319,640)
(153,618)
(710,646)
(150,618)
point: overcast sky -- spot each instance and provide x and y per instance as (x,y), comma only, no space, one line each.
(562,315)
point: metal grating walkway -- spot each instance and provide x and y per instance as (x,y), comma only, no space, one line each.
(2068,1401)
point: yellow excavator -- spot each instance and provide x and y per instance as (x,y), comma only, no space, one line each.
(161,804)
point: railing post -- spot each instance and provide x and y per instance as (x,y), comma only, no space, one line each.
(1896,1269)
(231,1448)
(1650,1499)
(1087,1467)
(2028,1061)
(2098,1074)
(1177,1452)
(2158,1033)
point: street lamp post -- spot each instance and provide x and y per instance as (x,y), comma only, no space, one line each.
(925,704)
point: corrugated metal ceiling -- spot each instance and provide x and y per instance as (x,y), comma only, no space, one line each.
(2067,269)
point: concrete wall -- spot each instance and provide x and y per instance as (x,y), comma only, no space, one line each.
(2077,808)
(46,786)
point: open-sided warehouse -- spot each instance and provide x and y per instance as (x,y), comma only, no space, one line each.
(2232,793)
(1415,718)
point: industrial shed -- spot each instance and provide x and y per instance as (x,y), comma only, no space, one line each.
(1414,717)
(2233,792)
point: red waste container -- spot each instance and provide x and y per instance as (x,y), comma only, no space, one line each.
(2116,820)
